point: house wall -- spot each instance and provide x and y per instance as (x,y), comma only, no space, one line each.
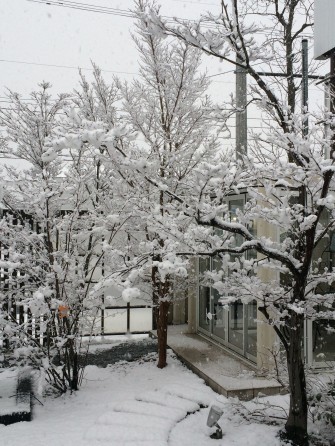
(192,297)
(266,336)
(183,306)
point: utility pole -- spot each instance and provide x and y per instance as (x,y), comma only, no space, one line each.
(332,97)
(241,99)
(327,109)
(241,112)
(324,48)
(304,53)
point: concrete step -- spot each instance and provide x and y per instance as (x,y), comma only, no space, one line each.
(223,371)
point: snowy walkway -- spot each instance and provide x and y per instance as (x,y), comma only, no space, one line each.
(152,416)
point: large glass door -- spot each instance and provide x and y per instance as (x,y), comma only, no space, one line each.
(320,332)
(250,330)
(323,341)
(219,317)
(204,310)
(219,323)
(242,328)
(234,326)
(320,342)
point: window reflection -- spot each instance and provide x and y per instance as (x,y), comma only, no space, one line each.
(204,295)
(324,341)
(219,324)
(235,332)
(234,325)
(251,346)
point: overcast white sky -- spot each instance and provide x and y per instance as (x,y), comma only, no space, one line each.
(38,33)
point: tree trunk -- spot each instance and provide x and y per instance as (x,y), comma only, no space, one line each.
(71,357)
(161,304)
(155,295)
(162,325)
(296,425)
(161,291)
(75,373)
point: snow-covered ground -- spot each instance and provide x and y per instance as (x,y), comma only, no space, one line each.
(136,404)
(8,403)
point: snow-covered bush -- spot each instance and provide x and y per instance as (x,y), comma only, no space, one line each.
(53,229)
(321,403)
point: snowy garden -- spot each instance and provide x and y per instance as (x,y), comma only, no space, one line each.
(135,403)
(135,195)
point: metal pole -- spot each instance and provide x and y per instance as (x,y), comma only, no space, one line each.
(327,109)
(332,97)
(304,52)
(241,113)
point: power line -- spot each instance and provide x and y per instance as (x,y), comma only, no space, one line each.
(128,14)
(97,8)
(6,100)
(63,66)
(86,7)
(220,74)
(196,3)
(118,72)
(104,70)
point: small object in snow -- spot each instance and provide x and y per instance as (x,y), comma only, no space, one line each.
(16,405)
(215,413)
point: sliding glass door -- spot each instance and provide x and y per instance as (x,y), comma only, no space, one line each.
(204,305)
(320,342)
(234,325)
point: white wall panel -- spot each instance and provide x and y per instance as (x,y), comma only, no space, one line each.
(324,29)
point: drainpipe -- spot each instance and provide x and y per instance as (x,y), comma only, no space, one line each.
(241,113)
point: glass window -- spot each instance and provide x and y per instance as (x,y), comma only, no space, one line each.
(218,310)
(251,335)
(323,330)
(235,333)
(204,307)
(323,340)
(219,316)
(234,207)
(235,325)
(204,296)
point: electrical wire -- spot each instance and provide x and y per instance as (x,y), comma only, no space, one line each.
(128,14)
(63,66)
(114,71)
(86,7)
(104,70)
(96,8)
(195,3)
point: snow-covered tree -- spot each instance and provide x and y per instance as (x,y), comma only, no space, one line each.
(55,222)
(31,271)
(287,174)
(169,111)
